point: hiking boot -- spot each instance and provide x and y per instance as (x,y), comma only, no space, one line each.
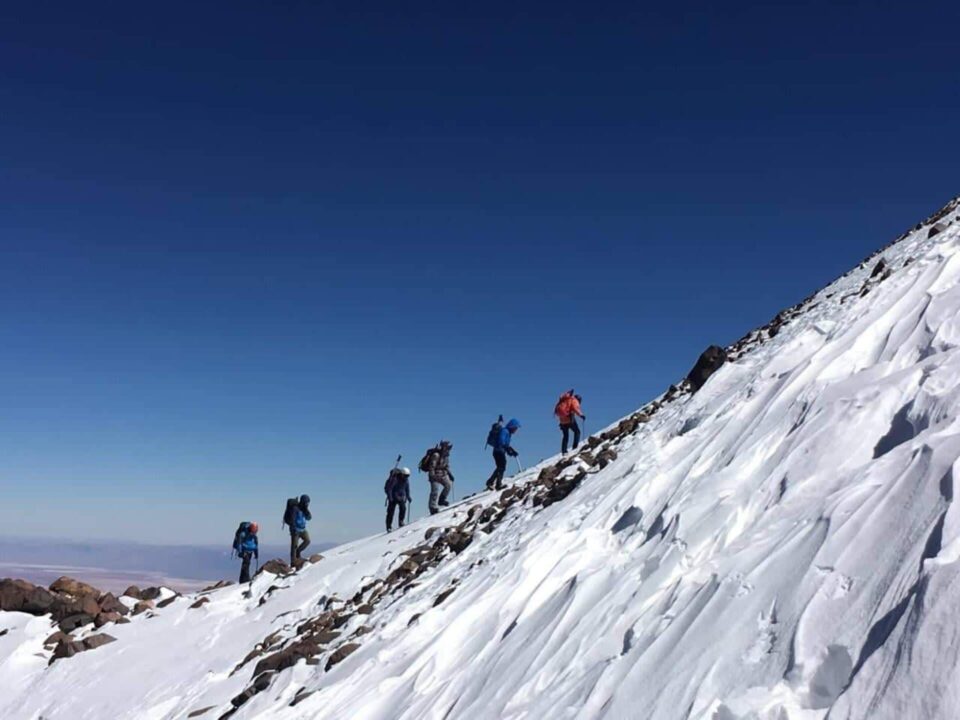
(499,486)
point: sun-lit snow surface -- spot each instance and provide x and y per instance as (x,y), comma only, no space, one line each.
(792,553)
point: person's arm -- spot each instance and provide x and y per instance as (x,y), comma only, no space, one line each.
(575,406)
(306,514)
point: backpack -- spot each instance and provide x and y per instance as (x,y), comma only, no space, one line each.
(562,408)
(424,465)
(494,433)
(290,514)
(390,483)
(240,535)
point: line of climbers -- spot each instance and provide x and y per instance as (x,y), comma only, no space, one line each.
(435,463)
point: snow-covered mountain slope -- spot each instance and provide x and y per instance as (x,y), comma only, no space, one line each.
(780,545)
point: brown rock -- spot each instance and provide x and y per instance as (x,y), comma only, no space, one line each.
(363,630)
(150,593)
(67,649)
(443,596)
(711,360)
(143,606)
(458,541)
(201,711)
(365,609)
(105,619)
(217,585)
(110,604)
(168,601)
(315,558)
(58,637)
(341,654)
(73,622)
(200,603)
(21,596)
(95,641)
(133,591)
(275,567)
(73,587)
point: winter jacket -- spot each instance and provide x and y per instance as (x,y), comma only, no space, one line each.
(300,518)
(438,468)
(397,487)
(567,409)
(505,436)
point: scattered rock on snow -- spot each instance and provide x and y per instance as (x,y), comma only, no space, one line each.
(341,654)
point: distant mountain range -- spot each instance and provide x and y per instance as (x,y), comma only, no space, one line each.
(114,565)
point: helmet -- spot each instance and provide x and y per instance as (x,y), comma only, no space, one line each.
(254,528)
(304,499)
(404,471)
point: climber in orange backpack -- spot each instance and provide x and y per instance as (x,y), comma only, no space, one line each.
(567,411)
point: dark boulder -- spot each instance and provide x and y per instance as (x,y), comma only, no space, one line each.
(150,593)
(96,641)
(106,618)
(275,567)
(711,360)
(110,604)
(21,596)
(67,649)
(73,622)
(133,591)
(200,603)
(342,653)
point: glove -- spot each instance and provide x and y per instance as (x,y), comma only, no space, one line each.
(511,452)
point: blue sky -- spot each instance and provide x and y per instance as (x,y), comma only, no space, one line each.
(252,250)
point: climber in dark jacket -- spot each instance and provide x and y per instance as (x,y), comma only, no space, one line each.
(299,537)
(397,489)
(502,448)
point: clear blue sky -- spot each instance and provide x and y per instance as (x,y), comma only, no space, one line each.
(252,249)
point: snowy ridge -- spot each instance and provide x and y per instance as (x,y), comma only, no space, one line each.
(781,545)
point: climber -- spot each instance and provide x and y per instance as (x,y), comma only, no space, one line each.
(567,410)
(502,448)
(397,489)
(436,463)
(296,516)
(246,546)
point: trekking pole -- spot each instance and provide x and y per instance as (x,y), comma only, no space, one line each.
(517,458)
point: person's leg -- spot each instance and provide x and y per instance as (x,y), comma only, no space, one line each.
(447,486)
(391,508)
(245,567)
(303,545)
(501,468)
(576,433)
(565,429)
(434,495)
(403,513)
(293,547)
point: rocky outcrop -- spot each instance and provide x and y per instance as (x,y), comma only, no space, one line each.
(711,360)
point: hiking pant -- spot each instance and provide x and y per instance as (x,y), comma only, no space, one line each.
(565,429)
(295,549)
(245,566)
(391,508)
(496,480)
(440,486)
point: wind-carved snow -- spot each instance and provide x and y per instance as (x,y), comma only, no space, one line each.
(781,545)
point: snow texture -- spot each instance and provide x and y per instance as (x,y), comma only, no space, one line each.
(781,545)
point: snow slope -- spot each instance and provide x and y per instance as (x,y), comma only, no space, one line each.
(781,545)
